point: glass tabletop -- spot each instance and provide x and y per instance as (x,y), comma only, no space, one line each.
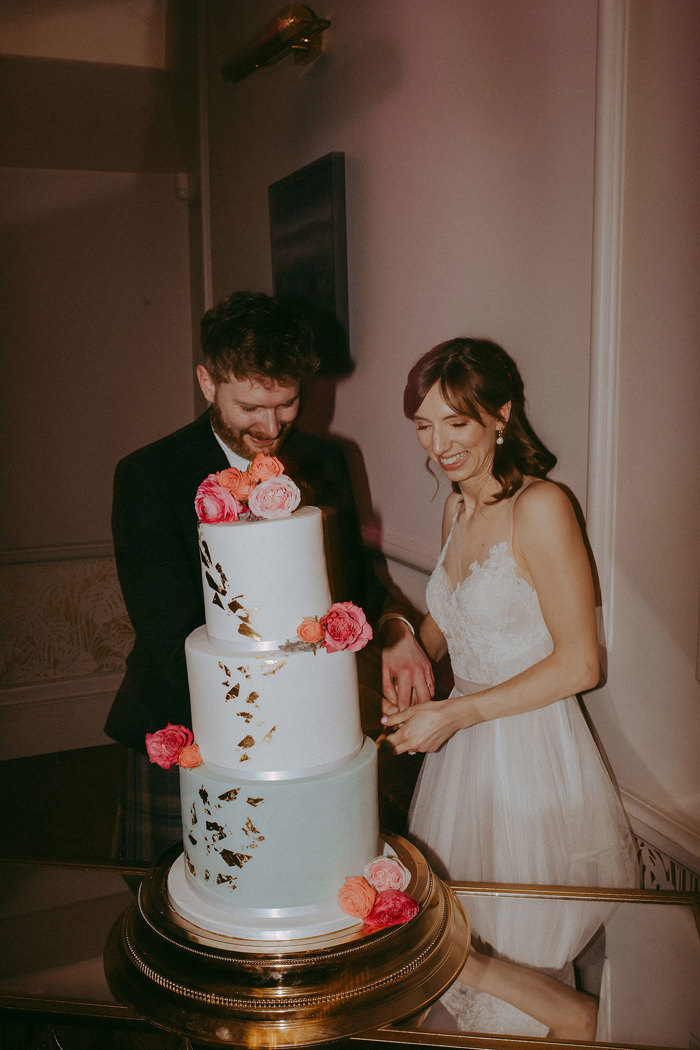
(640,958)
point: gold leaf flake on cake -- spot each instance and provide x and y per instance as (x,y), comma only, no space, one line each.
(247,715)
(254,801)
(252,697)
(219,832)
(192,839)
(276,666)
(247,741)
(223,880)
(268,736)
(204,552)
(233,691)
(244,671)
(203,794)
(217,601)
(222,574)
(225,669)
(229,796)
(214,585)
(234,860)
(190,865)
(193,814)
(207,876)
(250,828)
(244,758)
(247,631)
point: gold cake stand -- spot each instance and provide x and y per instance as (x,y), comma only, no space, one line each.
(225,992)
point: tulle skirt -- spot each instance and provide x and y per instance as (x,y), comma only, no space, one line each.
(525,799)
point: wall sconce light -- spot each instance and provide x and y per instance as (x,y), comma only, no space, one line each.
(295,29)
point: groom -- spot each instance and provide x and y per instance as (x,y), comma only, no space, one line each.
(256,355)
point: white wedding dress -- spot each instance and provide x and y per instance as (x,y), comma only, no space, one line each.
(521,799)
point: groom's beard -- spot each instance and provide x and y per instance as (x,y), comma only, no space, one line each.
(237,441)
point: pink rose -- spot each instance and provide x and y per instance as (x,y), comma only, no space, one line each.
(275,498)
(310,630)
(164,746)
(345,627)
(189,757)
(392,907)
(215,504)
(264,467)
(356,897)
(387,873)
(237,482)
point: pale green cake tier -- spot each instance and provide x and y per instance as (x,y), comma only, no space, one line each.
(267,857)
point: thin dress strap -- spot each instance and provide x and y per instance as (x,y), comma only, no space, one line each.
(446,544)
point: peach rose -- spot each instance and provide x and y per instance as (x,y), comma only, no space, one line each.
(310,630)
(237,482)
(275,498)
(189,757)
(356,896)
(263,467)
(345,627)
(387,873)
(392,907)
(215,504)
(164,746)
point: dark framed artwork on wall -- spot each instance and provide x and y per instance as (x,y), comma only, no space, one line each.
(309,253)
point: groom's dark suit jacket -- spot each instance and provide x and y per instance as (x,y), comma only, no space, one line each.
(155,542)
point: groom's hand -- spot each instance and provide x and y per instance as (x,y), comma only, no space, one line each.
(406,669)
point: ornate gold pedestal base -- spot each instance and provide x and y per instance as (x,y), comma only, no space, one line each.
(226,992)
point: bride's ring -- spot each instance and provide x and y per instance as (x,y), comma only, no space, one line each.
(413,752)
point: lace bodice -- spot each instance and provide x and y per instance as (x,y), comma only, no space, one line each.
(492,620)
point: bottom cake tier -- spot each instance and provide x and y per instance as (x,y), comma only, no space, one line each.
(265,859)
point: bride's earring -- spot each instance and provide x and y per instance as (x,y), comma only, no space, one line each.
(499,435)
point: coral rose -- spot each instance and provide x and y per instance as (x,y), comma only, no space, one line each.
(215,504)
(310,630)
(263,467)
(387,873)
(275,498)
(356,896)
(392,907)
(164,746)
(189,757)
(345,627)
(237,482)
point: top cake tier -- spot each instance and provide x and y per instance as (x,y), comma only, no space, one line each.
(262,578)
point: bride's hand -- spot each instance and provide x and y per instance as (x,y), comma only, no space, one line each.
(423,727)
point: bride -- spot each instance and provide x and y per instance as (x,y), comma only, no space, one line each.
(513,788)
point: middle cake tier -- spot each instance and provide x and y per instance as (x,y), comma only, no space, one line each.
(274,715)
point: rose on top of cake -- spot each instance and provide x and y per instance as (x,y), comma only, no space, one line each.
(261,492)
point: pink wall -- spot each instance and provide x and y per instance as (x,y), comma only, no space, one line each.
(469,134)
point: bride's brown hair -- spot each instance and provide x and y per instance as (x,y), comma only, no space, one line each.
(477,376)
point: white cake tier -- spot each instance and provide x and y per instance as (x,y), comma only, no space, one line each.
(262,578)
(266,858)
(273,715)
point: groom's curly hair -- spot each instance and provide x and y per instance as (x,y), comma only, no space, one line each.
(252,334)
(477,377)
